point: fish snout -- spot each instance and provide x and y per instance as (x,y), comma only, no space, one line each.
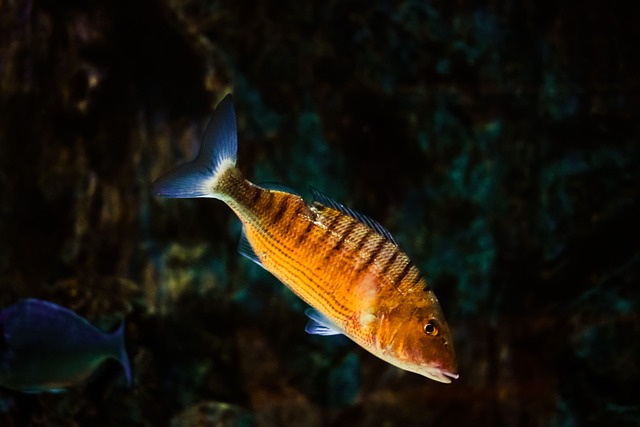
(452,375)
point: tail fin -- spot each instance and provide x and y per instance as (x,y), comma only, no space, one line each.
(120,353)
(198,178)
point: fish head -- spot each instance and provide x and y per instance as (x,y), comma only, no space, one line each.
(415,337)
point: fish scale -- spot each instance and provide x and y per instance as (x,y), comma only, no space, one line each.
(343,264)
(318,263)
(291,261)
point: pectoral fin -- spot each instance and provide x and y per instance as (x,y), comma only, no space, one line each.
(319,324)
(246,250)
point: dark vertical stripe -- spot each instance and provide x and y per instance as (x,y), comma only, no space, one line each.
(417,279)
(329,228)
(289,221)
(390,261)
(345,235)
(304,233)
(335,250)
(267,201)
(255,196)
(363,240)
(282,208)
(404,272)
(296,212)
(372,256)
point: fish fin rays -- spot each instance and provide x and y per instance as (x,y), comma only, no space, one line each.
(278,187)
(325,200)
(121,353)
(246,250)
(217,153)
(220,139)
(319,324)
(184,182)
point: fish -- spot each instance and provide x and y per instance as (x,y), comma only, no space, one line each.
(346,266)
(45,347)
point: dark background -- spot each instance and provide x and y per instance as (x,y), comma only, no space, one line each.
(497,141)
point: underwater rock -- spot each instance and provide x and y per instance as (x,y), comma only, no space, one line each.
(275,401)
(213,414)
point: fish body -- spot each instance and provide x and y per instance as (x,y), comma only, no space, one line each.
(46,347)
(343,264)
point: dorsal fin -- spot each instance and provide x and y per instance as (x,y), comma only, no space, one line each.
(330,203)
(278,187)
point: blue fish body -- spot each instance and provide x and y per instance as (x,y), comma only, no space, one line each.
(46,347)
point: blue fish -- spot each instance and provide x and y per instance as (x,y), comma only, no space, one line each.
(45,347)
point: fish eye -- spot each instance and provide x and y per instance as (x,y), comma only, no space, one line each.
(430,328)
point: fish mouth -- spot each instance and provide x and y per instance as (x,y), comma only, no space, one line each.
(444,376)
(450,375)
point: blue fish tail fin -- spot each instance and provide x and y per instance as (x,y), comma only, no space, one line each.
(120,353)
(199,178)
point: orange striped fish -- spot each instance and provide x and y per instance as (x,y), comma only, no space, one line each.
(343,264)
